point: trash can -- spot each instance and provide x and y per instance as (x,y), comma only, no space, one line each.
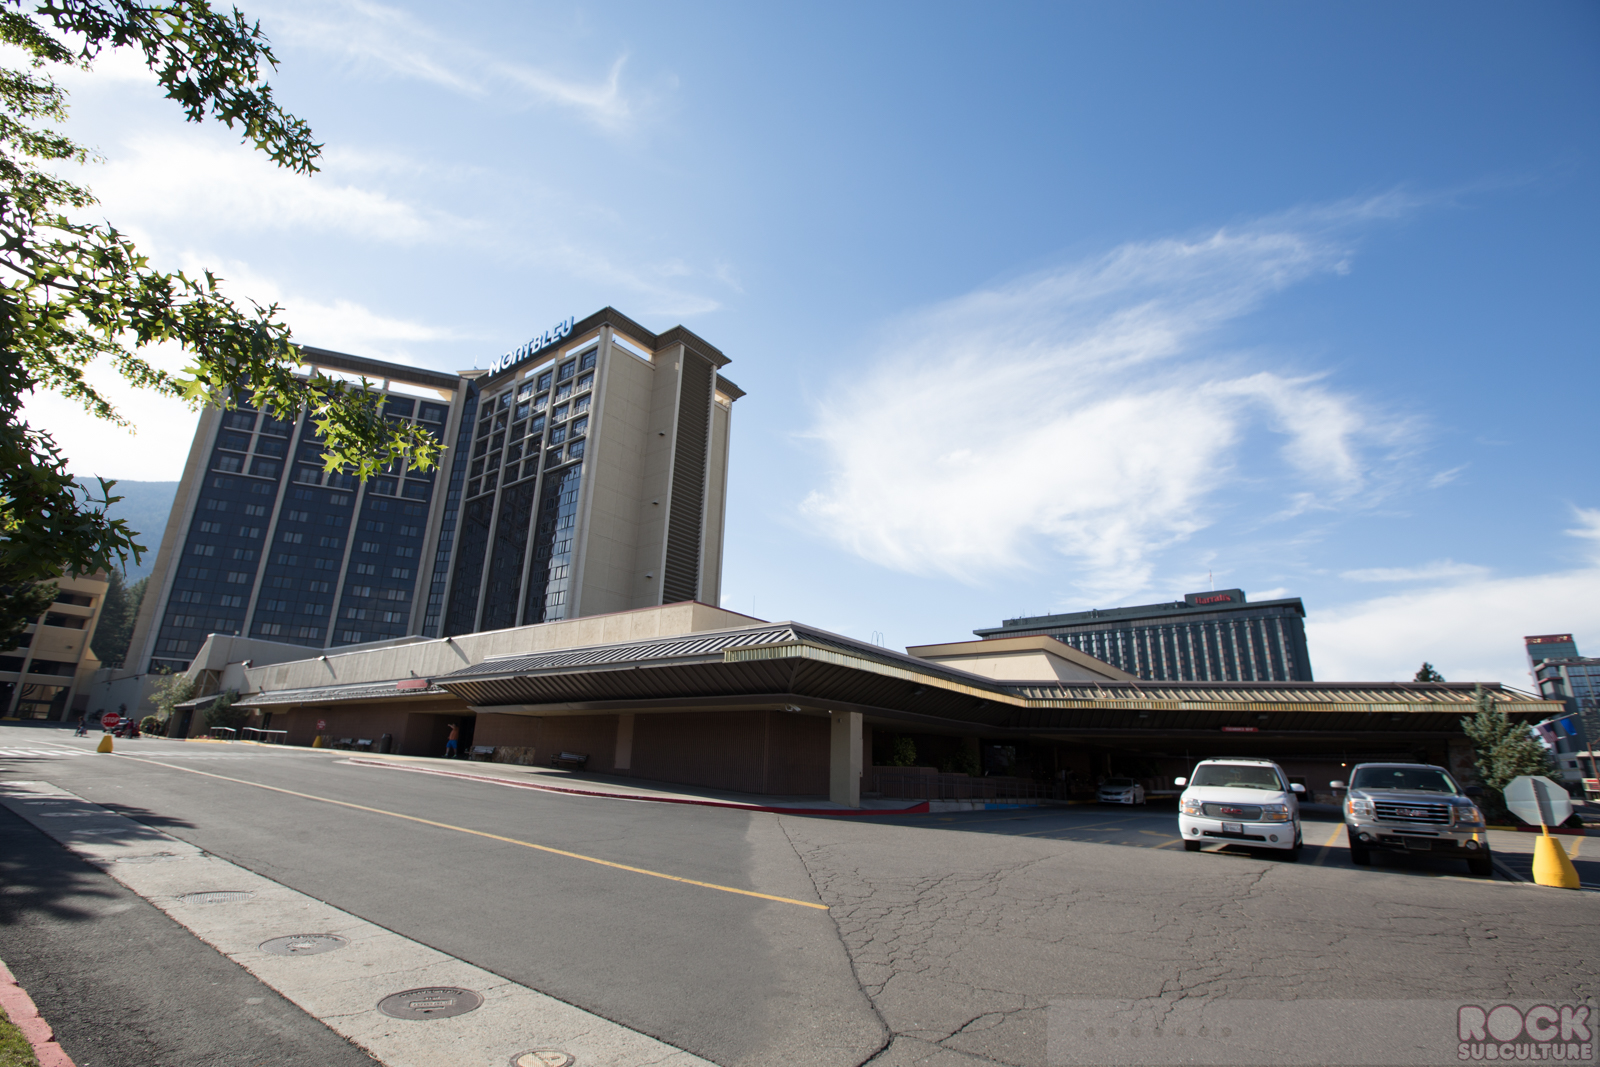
(385,742)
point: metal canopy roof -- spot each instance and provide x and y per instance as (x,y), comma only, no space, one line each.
(789,662)
(333,693)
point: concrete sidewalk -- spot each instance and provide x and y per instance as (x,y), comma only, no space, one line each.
(613,787)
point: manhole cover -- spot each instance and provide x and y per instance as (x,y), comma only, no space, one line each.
(303,944)
(225,896)
(543,1057)
(437,1003)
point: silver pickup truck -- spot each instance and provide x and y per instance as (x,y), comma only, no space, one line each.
(1413,807)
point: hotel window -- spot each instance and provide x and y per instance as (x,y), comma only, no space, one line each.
(269,629)
(481,447)
(483,427)
(568,369)
(585,382)
(580,426)
(317,587)
(231,464)
(366,568)
(239,420)
(249,531)
(544,381)
(432,413)
(552,457)
(231,601)
(580,405)
(275,605)
(537,425)
(394,616)
(563,391)
(522,410)
(526,391)
(350,637)
(491,481)
(355,613)
(265,447)
(237,442)
(587,360)
(540,401)
(308,632)
(474,488)
(494,460)
(477,468)
(558,435)
(505,399)
(575,450)
(402,573)
(495,442)
(559,413)
(500,421)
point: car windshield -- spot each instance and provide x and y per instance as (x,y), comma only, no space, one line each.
(1422,779)
(1236,776)
(1117,783)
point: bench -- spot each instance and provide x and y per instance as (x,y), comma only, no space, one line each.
(575,760)
(481,752)
(344,742)
(364,745)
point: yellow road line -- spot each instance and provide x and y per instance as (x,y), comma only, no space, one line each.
(1577,843)
(1323,853)
(481,833)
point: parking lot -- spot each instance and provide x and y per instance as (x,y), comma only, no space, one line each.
(1155,825)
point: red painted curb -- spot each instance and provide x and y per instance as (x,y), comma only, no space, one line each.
(915,809)
(22,1013)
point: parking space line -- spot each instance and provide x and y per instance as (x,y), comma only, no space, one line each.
(481,833)
(1327,846)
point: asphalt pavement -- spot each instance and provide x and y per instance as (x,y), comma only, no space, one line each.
(945,939)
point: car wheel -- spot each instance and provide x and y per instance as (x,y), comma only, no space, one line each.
(1481,866)
(1361,857)
(1191,846)
(1293,855)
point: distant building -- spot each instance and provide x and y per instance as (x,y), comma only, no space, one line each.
(47,674)
(1205,637)
(1561,674)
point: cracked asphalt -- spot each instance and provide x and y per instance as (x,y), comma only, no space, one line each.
(946,938)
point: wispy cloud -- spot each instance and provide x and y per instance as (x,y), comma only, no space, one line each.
(1471,629)
(1428,572)
(1078,411)
(196,183)
(386,39)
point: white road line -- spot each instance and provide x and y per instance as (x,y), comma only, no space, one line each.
(342,988)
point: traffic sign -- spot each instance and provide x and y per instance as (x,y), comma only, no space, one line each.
(322,724)
(1538,800)
(110,720)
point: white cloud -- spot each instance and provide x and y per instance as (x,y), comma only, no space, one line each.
(1471,630)
(195,183)
(376,36)
(1076,410)
(1442,568)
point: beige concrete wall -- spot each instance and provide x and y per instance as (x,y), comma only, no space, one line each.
(432,658)
(142,645)
(1020,667)
(655,487)
(716,504)
(605,575)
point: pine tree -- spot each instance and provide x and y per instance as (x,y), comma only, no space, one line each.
(1504,749)
(115,628)
(1428,674)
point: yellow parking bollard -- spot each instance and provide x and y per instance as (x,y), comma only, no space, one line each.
(105,744)
(316,742)
(1551,864)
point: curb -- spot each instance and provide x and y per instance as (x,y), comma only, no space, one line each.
(24,1016)
(1569,831)
(915,809)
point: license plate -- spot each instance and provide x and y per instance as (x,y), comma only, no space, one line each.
(1233,827)
(1417,844)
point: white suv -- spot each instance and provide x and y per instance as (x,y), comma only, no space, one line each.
(1246,802)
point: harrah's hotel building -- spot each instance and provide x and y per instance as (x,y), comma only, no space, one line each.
(583,473)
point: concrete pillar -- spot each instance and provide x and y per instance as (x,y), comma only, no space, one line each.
(844,763)
(624,756)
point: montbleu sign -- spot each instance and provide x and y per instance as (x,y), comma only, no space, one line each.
(543,341)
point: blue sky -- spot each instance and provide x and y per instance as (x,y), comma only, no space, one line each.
(1039,308)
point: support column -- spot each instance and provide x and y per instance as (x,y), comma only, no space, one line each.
(624,755)
(844,763)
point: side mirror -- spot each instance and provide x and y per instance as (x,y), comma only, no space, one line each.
(1474,790)
(1180,781)
(1296,787)
(1336,785)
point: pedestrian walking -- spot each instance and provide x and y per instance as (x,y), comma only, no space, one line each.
(450,742)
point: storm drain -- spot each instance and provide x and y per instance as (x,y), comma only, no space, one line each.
(543,1057)
(303,944)
(223,896)
(440,1002)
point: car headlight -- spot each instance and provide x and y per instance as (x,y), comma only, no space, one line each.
(1193,807)
(1469,815)
(1274,813)
(1359,807)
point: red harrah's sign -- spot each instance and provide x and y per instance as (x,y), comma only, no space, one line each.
(1550,639)
(1219,599)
